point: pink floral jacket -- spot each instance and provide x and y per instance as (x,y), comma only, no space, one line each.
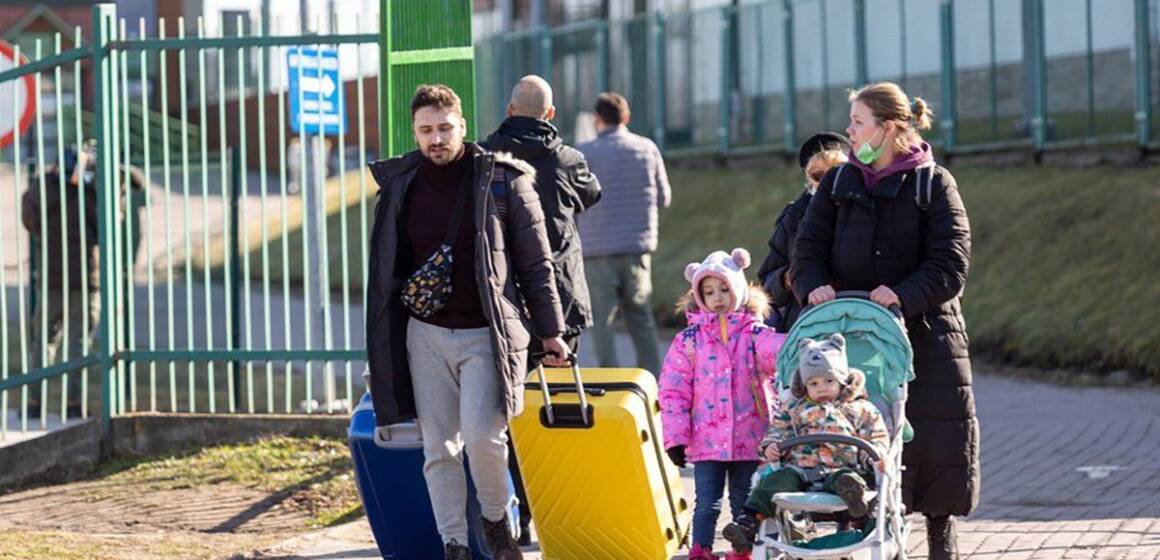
(716,397)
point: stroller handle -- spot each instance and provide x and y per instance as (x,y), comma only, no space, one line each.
(863,294)
(860,443)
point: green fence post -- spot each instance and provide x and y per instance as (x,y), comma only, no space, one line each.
(1038,75)
(658,36)
(441,53)
(1143,75)
(790,82)
(949,109)
(758,120)
(546,53)
(235,288)
(104,16)
(386,149)
(602,57)
(1091,71)
(861,63)
(724,125)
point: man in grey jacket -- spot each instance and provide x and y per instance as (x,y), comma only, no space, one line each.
(459,368)
(620,234)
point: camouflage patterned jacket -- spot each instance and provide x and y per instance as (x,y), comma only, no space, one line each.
(801,417)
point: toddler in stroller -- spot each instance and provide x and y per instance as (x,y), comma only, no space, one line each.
(833,457)
(830,399)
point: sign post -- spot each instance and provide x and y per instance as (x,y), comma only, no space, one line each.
(22,91)
(316,110)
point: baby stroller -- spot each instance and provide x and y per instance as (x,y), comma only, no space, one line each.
(876,344)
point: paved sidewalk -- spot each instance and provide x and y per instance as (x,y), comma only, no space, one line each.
(1067,473)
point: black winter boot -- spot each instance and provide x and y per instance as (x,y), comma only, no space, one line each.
(500,541)
(852,489)
(455,551)
(742,532)
(941,541)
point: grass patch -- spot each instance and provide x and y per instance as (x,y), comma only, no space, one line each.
(20,544)
(314,474)
(1064,269)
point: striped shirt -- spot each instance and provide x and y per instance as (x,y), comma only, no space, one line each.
(635,187)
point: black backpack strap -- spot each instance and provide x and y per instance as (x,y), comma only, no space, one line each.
(834,185)
(923,188)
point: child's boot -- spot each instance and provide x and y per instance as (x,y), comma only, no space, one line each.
(699,552)
(852,489)
(742,533)
(738,556)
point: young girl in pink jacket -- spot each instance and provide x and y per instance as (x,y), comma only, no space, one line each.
(716,389)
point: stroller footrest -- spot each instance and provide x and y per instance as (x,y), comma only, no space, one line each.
(813,502)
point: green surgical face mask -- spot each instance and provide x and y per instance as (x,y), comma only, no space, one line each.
(868,154)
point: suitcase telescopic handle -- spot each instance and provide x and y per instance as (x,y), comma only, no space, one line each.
(580,391)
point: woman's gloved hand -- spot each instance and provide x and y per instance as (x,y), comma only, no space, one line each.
(676,454)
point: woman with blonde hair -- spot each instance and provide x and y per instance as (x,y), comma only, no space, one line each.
(891,222)
(818,154)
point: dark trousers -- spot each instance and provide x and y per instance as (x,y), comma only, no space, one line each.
(787,479)
(710,479)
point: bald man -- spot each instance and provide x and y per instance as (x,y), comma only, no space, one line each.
(564,183)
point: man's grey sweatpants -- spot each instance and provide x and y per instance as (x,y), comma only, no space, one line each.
(458,396)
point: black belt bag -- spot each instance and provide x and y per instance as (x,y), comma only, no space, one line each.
(427,290)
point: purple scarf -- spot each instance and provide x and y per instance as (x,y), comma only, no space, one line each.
(917,156)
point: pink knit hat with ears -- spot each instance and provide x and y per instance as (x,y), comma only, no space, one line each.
(729,268)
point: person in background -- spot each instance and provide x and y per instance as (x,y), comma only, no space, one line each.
(620,235)
(818,154)
(67,271)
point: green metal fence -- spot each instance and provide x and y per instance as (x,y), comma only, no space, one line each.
(422,41)
(35,373)
(765,75)
(229,250)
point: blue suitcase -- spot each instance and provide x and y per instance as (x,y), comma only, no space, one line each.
(388,466)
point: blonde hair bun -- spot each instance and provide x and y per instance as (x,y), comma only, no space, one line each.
(921,114)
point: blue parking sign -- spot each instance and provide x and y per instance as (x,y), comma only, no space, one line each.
(316,91)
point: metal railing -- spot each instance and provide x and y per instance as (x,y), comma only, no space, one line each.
(230,261)
(765,75)
(45,306)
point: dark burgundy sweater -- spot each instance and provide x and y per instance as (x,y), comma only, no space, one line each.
(429,208)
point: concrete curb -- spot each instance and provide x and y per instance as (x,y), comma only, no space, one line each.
(76,449)
(152,433)
(70,449)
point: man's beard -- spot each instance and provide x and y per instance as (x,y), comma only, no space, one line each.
(441,154)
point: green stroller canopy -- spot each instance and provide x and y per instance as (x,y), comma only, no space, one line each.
(876,343)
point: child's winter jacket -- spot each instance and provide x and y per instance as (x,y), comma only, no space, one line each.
(851,414)
(716,396)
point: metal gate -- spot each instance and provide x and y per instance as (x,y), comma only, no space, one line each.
(218,256)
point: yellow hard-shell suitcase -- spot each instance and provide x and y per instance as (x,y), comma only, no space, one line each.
(598,481)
